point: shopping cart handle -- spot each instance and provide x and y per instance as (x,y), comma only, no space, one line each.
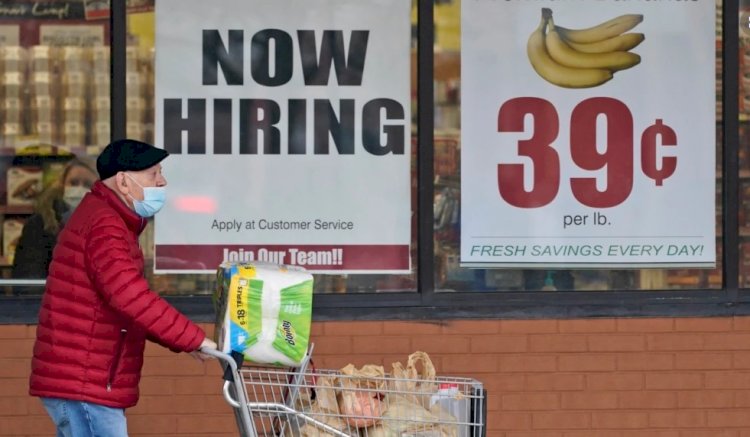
(231,362)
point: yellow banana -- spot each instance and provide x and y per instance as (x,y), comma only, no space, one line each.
(564,54)
(623,42)
(605,30)
(555,73)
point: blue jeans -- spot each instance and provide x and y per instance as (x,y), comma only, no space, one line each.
(84,419)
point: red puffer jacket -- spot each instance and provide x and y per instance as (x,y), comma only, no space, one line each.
(98,310)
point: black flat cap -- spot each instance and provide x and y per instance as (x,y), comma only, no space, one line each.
(127,155)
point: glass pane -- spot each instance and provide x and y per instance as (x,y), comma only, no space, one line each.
(54,119)
(744,144)
(449,276)
(141,107)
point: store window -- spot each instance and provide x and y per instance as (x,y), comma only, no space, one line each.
(55,115)
(450,276)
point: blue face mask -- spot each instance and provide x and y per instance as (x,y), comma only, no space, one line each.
(153,200)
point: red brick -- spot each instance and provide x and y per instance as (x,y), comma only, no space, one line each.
(702,399)
(619,419)
(589,401)
(561,420)
(506,421)
(527,363)
(674,342)
(741,360)
(714,433)
(651,433)
(677,419)
(433,344)
(645,325)
(703,361)
(498,343)
(707,324)
(529,402)
(165,386)
(587,325)
(354,328)
(470,363)
(317,329)
(381,344)
(728,380)
(151,424)
(206,423)
(616,343)
(464,327)
(174,365)
(555,381)
(333,344)
(728,418)
(645,361)
(674,381)
(503,382)
(727,341)
(533,434)
(15,367)
(582,433)
(586,362)
(27,425)
(15,331)
(413,328)
(528,326)
(14,386)
(557,343)
(13,406)
(741,323)
(614,381)
(634,400)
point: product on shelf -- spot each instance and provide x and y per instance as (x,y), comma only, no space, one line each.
(74,84)
(100,134)
(101,85)
(12,59)
(73,133)
(136,109)
(43,83)
(23,185)
(74,58)
(74,110)
(45,131)
(12,109)
(42,110)
(12,229)
(43,58)
(100,59)
(13,85)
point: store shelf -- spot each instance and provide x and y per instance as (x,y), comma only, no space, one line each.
(16,209)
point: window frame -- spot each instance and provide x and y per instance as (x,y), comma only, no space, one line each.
(426,303)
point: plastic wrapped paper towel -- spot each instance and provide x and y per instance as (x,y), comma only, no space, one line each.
(264,311)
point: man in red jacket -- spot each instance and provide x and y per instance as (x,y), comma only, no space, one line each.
(98,310)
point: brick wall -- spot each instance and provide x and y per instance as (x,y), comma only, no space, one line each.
(685,377)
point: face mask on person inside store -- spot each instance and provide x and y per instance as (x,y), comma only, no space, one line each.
(73,194)
(153,200)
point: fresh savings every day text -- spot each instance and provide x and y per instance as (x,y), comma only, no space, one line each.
(307,128)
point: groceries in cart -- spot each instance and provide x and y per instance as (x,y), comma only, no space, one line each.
(410,401)
(263,311)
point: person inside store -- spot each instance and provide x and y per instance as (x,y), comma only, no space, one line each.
(98,310)
(52,209)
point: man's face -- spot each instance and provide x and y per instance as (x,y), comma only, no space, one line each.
(150,177)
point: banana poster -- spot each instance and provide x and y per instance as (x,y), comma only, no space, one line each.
(588,133)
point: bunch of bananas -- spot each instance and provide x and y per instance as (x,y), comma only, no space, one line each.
(583,58)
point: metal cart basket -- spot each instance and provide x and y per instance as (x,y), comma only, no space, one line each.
(304,401)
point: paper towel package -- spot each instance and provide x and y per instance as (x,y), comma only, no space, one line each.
(263,311)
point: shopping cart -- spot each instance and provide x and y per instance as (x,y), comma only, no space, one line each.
(304,401)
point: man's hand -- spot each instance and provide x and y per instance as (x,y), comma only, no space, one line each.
(208,344)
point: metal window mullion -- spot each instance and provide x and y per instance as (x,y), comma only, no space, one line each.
(425,137)
(117,45)
(730,126)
